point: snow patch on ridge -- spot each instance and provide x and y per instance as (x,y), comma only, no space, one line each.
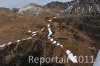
(49,29)
(71,57)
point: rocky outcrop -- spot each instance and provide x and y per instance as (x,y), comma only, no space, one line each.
(76,7)
(32,9)
(57,5)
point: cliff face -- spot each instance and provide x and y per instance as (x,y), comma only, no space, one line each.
(89,1)
(57,5)
(77,7)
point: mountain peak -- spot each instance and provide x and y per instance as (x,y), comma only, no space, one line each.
(32,8)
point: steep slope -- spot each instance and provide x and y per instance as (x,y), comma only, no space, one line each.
(74,32)
(57,5)
(76,7)
(40,45)
(22,35)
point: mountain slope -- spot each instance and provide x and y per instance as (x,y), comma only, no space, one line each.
(69,31)
(31,8)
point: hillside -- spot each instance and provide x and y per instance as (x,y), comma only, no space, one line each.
(43,31)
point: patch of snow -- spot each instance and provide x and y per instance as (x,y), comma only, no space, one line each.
(29,38)
(29,31)
(49,29)
(33,35)
(54,42)
(9,43)
(24,9)
(24,39)
(34,32)
(71,57)
(18,41)
(68,52)
(54,17)
(58,44)
(50,20)
(2,45)
(61,11)
(51,39)
(61,46)
(93,48)
(72,6)
(42,29)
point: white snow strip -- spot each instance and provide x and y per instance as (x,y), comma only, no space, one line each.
(9,43)
(50,20)
(93,48)
(34,32)
(24,39)
(54,17)
(29,38)
(42,29)
(72,6)
(29,31)
(18,41)
(61,46)
(49,29)
(71,57)
(33,35)
(54,42)
(24,9)
(51,39)
(2,45)
(58,44)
